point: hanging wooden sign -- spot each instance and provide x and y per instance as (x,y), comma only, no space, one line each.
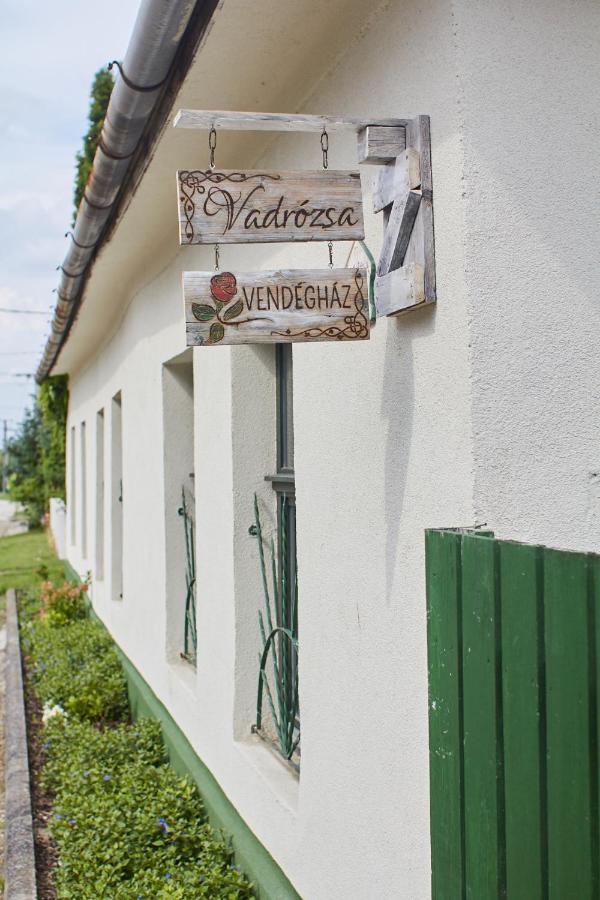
(276,307)
(218,206)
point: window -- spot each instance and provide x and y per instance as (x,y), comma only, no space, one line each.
(83,475)
(284,481)
(116,489)
(179,499)
(72,501)
(99,556)
(281,637)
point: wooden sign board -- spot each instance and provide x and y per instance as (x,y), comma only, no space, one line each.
(276,307)
(219,206)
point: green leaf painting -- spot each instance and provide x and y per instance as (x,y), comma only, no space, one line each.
(203,312)
(233,311)
(217,332)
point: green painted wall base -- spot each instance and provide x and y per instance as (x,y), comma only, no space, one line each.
(257,863)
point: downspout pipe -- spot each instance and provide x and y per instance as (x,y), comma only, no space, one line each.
(142,76)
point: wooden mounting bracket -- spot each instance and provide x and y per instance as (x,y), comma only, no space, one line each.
(404,192)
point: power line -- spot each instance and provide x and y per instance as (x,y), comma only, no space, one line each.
(24,312)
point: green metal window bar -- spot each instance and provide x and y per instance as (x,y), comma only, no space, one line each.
(186,511)
(279,634)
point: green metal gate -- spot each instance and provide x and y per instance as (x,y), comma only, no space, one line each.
(513,635)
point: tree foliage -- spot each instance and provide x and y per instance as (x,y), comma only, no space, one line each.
(102,86)
(36,456)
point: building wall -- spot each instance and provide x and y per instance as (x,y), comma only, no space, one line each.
(449,416)
(532,188)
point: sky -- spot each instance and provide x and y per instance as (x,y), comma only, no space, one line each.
(49,53)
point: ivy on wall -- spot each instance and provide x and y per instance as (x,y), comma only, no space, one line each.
(102,86)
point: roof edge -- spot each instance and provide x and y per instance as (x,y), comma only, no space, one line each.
(165,38)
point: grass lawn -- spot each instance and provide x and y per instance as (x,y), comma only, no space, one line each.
(22,555)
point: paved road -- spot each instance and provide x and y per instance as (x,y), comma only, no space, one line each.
(9,521)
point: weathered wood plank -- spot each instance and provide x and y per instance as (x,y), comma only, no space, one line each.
(379,144)
(276,307)
(418,136)
(262,121)
(399,290)
(397,179)
(219,206)
(398,231)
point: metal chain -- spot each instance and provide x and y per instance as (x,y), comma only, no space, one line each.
(325,147)
(212,143)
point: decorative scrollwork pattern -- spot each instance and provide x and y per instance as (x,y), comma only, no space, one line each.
(355,327)
(192,183)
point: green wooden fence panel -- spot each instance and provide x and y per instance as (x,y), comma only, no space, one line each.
(522,690)
(445,727)
(594,615)
(568,725)
(514,681)
(482,714)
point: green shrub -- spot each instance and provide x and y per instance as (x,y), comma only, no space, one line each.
(77,668)
(126,825)
(63,603)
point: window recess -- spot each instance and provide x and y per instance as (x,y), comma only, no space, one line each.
(277,718)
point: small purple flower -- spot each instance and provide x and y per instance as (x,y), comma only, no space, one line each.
(163,824)
(86,774)
(72,821)
(56,816)
(106,778)
(168,875)
(45,745)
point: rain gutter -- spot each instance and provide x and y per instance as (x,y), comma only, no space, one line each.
(165,38)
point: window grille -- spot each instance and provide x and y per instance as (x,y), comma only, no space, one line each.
(186,511)
(279,624)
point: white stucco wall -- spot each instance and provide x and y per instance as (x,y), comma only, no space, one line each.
(531,127)
(58,526)
(480,410)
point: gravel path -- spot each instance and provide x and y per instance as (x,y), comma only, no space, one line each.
(10,523)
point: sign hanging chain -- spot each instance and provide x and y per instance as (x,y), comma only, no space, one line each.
(325,151)
(325,147)
(212,144)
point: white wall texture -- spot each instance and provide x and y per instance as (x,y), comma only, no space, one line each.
(58,526)
(480,410)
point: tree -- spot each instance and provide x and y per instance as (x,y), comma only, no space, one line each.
(24,481)
(102,86)
(36,456)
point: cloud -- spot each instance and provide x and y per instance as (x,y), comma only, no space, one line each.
(51,52)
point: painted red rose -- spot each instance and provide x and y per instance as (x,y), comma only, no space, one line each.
(223,286)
